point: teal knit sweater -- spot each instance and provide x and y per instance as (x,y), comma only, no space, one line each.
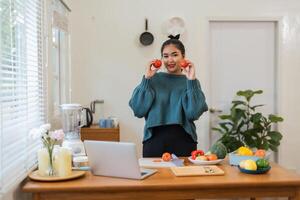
(168,99)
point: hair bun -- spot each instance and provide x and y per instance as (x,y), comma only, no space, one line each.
(176,37)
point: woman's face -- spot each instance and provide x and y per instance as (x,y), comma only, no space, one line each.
(171,57)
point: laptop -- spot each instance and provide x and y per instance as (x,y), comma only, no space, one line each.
(115,159)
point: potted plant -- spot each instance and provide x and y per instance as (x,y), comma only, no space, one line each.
(245,126)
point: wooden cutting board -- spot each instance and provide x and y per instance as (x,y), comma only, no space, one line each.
(209,170)
(152,162)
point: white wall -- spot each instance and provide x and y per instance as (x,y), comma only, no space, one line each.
(108,61)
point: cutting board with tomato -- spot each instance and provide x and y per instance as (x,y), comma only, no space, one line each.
(211,170)
(156,163)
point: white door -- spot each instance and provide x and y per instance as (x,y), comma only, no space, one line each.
(242,57)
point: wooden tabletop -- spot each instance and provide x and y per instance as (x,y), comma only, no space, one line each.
(164,178)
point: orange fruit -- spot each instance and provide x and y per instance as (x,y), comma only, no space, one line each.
(212,157)
(166,157)
(260,153)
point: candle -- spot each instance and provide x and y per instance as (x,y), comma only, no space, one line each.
(43,162)
(64,162)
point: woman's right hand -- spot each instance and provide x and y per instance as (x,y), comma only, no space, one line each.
(150,70)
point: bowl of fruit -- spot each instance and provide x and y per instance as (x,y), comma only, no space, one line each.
(198,157)
(215,155)
(260,166)
(245,153)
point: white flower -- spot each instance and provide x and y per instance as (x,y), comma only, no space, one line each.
(57,135)
(45,128)
(35,133)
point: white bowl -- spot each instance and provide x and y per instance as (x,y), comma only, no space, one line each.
(204,162)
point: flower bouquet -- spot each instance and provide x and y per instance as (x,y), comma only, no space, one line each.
(46,154)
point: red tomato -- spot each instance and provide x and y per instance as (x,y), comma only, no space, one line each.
(197,153)
(194,154)
(260,153)
(184,64)
(166,157)
(157,63)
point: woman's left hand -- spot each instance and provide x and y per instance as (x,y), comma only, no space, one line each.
(189,71)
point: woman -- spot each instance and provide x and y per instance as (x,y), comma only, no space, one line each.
(170,102)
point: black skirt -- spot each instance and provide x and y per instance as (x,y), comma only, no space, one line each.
(169,138)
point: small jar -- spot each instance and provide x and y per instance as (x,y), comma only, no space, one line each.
(80,161)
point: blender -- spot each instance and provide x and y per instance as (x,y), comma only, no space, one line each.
(71,122)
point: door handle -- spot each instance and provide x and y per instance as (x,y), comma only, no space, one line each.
(214,110)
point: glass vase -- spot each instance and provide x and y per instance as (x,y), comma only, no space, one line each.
(46,162)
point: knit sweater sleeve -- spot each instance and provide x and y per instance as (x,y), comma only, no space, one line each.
(142,98)
(193,100)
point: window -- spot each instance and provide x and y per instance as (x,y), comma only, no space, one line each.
(59,93)
(22,104)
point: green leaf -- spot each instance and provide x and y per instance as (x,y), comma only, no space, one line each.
(237,114)
(242,123)
(274,142)
(264,145)
(256,118)
(258,92)
(224,117)
(275,135)
(275,119)
(273,148)
(256,106)
(237,103)
(258,127)
(218,130)
(231,143)
(248,94)
(250,141)
(224,125)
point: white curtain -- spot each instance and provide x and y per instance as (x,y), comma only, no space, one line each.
(22,86)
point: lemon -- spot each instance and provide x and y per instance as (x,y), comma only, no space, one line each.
(244,151)
(250,165)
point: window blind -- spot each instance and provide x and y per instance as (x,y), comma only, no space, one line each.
(21,87)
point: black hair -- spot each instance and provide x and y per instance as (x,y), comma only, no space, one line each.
(176,42)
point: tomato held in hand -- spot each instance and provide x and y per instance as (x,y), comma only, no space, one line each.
(184,64)
(166,157)
(157,63)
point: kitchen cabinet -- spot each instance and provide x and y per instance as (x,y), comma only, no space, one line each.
(94,132)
